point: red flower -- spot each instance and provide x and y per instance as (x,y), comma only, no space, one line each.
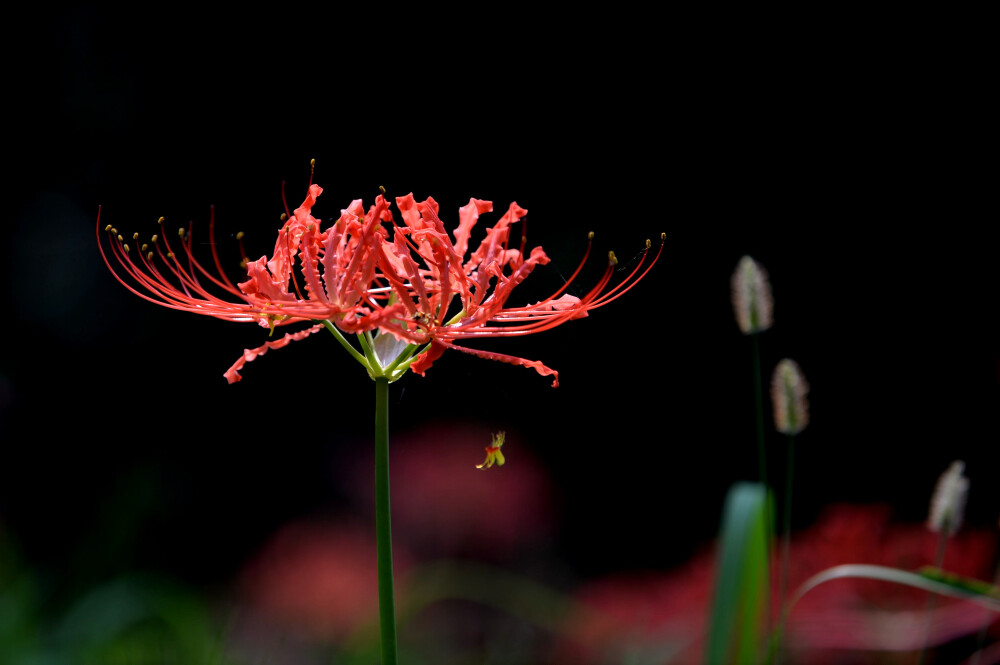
(354,277)
(482,283)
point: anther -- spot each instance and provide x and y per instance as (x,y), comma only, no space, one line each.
(114,230)
(243,264)
(119,237)
(170,255)
(239,236)
(159,221)
(648,244)
(663,236)
(155,237)
(107,228)
(145,247)
(126,247)
(149,256)
(312,163)
(135,236)
(283,217)
(381,189)
(180,232)
(590,236)
(612,259)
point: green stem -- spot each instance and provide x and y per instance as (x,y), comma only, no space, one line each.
(759,410)
(929,610)
(343,342)
(371,360)
(786,526)
(383,525)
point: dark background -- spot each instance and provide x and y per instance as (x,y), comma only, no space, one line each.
(854,168)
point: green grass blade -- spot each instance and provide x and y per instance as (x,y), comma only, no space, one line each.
(928,579)
(741,585)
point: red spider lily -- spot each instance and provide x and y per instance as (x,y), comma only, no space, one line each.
(270,295)
(427,291)
(354,278)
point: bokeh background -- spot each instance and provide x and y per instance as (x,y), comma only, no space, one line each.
(853,170)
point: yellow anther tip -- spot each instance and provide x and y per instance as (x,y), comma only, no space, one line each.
(648,243)
(126,247)
(155,237)
(120,237)
(180,232)
(149,256)
(135,236)
(160,220)
(381,189)
(612,259)
(312,163)
(663,236)
(107,228)
(590,236)
(239,236)
(145,247)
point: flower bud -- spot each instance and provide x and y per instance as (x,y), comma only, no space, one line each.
(788,396)
(948,501)
(752,300)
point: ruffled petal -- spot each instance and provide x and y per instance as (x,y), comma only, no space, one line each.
(424,361)
(232,374)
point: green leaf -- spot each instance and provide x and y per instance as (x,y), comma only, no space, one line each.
(929,579)
(740,601)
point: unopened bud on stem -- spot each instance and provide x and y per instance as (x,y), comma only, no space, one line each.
(752,300)
(948,501)
(788,396)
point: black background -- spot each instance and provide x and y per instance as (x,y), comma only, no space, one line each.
(854,167)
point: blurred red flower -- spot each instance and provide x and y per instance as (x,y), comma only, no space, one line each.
(318,579)
(444,507)
(842,621)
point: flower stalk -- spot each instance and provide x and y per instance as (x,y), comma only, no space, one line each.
(383,526)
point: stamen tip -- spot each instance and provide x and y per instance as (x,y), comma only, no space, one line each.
(590,236)
(107,228)
(612,259)
(180,232)
(160,220)
(239,236)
